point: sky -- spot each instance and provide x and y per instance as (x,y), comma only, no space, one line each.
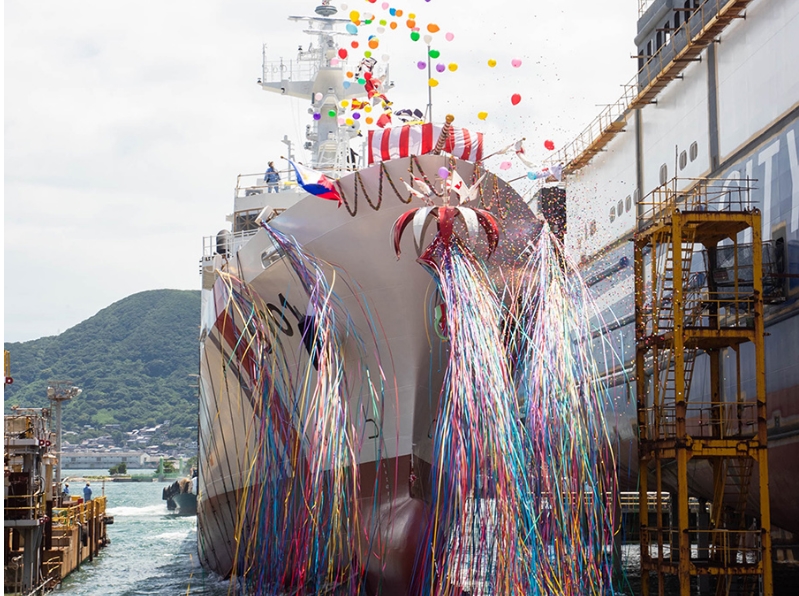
(127,123)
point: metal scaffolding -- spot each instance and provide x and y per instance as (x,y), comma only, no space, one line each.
(699,316)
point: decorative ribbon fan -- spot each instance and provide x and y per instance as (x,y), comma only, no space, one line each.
(445,215)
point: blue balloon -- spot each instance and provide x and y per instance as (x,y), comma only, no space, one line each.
(351,28)
(531,175)
(346,84)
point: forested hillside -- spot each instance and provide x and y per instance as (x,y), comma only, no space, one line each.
(134,360)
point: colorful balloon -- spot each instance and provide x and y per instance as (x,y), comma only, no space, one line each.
(505,165)
(516,63)
(434,54)
(443,172)
(354,44)
(421,65)
(482,115)
(450,36)
(432,82)
(342,53)
(318,96)
(332,113)
(373,43)
(369,120)
(317,116)
(492,63)
(549,145)
(452,66)
(515,99)
(415,35)
(351,28)
(428,39)
(433,28)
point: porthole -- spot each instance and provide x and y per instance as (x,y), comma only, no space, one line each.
(620,208)
(664,174)
(694,150)
(612,214)
(628,203)
(636,196)
(683,160)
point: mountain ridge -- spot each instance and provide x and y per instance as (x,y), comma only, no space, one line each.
(134,361)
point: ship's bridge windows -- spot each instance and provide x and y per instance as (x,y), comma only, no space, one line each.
(683,160)
(612,214)
(694,150)
(664,174)
(628,203)
(620,208)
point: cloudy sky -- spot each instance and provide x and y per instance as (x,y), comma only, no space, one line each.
(126,123)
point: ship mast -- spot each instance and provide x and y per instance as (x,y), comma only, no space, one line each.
(315,74)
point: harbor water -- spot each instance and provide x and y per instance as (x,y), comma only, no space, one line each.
(152,551)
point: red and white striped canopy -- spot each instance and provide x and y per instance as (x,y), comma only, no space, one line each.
(419,139)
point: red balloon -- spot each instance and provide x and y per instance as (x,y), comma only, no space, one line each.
(515,99)
(342,53)
(549,145)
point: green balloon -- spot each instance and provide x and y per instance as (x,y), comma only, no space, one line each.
(362,81)
(332,113)
(434,53)
(415,35)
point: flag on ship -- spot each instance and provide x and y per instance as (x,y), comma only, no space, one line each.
(419,139)
(316,183)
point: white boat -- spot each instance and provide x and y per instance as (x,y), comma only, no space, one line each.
(387,298)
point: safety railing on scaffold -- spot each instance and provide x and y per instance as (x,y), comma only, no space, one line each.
(703,419)
(79,513)
(726,548)
(694,194)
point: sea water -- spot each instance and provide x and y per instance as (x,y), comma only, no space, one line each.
(152,551)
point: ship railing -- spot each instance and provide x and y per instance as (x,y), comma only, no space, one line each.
(703,420)
(643,5)
(230,244)
(277,71)
(254,184)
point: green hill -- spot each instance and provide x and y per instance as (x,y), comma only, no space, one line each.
(134,361)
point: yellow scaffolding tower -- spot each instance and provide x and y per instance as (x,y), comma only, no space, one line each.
(698,307)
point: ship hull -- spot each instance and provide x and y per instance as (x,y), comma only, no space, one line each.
(390,297)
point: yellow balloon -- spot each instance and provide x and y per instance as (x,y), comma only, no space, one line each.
(350,121)
(482,115)
(367,108)
(344,103)
(355,16)
(432,82)
(492,63)
(452,66)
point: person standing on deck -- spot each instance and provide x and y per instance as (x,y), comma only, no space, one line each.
(87,493)
(272,178)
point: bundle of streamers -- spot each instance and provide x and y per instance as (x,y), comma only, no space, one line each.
(573,481)
(299,524)
(481,521)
